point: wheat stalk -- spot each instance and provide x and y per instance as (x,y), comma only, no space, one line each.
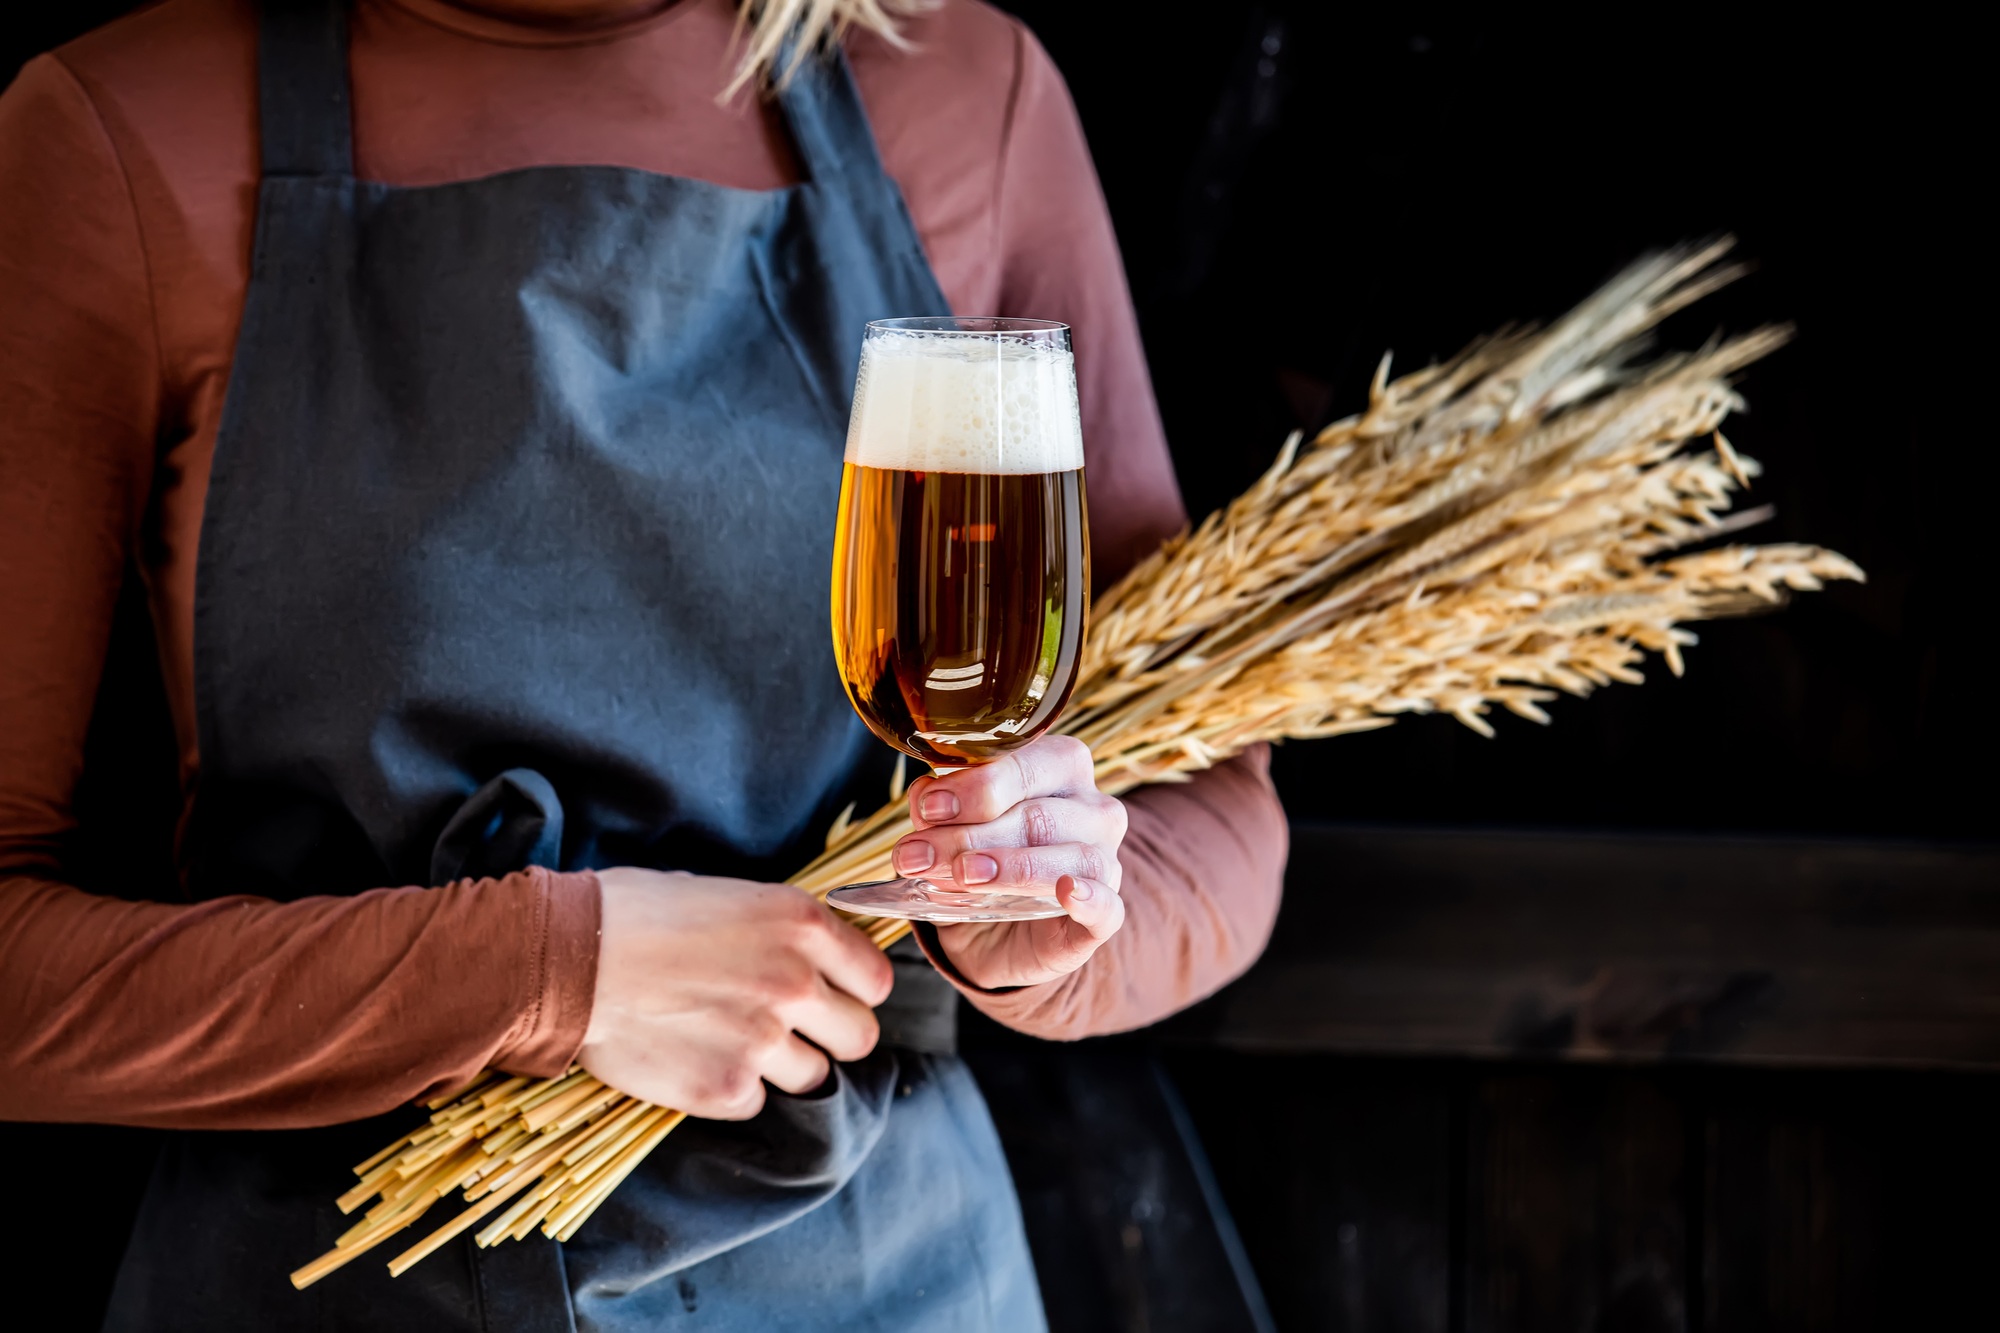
(1492,531)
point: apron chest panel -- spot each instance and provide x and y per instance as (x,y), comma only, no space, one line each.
(516,551)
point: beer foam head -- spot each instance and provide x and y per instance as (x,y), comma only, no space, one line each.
(944,402)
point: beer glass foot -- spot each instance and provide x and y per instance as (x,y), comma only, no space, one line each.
(921,900)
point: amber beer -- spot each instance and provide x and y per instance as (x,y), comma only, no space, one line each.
(961,560)
(959,622)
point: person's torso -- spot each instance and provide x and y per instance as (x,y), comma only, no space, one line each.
(514,553)
(441,96)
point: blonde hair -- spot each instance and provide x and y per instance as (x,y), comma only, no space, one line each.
(765,26)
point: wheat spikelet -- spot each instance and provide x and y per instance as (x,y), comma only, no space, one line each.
(1490,532)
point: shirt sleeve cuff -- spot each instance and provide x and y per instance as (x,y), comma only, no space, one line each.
(933,947)
(562,976)
(1038,1011)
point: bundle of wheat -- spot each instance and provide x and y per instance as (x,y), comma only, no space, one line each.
(1490,531)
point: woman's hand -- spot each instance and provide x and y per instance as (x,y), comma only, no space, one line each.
(708,988)
(1030,822)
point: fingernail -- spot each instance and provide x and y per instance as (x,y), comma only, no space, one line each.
(914,856)
(1079,890)
(938,806)
(976,869)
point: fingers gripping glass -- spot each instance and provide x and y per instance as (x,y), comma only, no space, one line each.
(961,563)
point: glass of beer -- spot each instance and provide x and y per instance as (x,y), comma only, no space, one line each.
(961,564)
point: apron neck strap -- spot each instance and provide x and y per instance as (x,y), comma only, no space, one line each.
(829,125)
(306,124)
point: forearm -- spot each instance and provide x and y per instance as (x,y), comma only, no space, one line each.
(1204,865)
(247,1013)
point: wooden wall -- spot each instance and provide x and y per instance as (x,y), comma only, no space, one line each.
(1423,1195)
(1371,1193)
(1508,1082)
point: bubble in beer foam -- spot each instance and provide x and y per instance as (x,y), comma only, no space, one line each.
(938,402)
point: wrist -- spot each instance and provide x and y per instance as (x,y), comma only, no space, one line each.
(932,943)
(560,974)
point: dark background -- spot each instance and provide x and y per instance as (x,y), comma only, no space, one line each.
(1297,189)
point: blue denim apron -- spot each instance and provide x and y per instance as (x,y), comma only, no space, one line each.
(515,552)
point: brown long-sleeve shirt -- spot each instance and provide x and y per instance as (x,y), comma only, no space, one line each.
(128,172)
